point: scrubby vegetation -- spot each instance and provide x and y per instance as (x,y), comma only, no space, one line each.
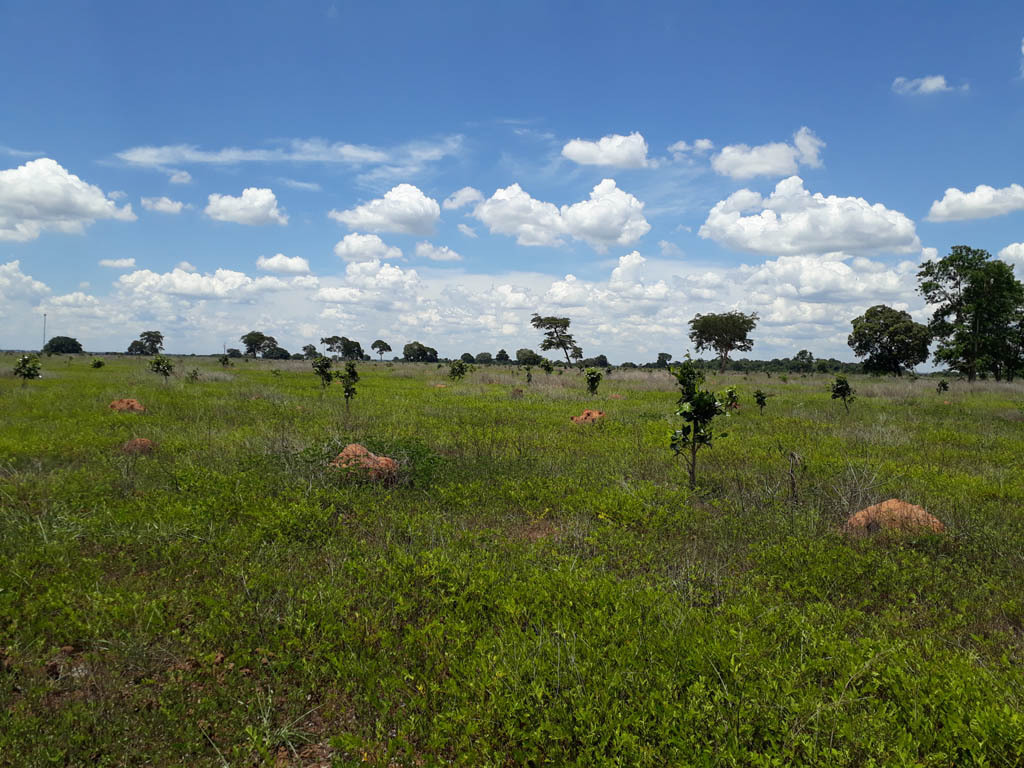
(523,591)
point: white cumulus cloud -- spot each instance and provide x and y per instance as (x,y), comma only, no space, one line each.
(1013,253)
(356,247)
(610,217)
(41,195)
(924,85)
(680,149)
(288,265)
(467,230)
(793,221)
(15,284)
(436,252)
(740,161)
(403,209)
(615,150)
(256,206)
(118,263)
(162,204)
(982,203)
(464,196)
(221,284)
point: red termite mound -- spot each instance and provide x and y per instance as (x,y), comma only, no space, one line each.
(894,515)
(127,404)
(588,417)
(356,457)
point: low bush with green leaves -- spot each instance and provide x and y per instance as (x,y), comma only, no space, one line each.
(593,378)
(97,363)
(162,366)
(841,390)
(27,367)
(457,370)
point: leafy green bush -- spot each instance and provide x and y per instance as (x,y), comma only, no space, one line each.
(27,367)
(162,366)
(841,390)
(97,363)
(457,370)
(593,378)
(761,399)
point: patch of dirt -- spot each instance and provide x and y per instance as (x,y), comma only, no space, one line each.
(356,457)
(440,386)
(537,530)
(516,394)
(139,446)
(129,404)
(616,397)
(893,515)
(588,417)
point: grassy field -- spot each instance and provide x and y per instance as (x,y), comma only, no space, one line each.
(531,592)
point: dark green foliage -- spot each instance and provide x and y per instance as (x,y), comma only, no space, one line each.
(979,317)
(664,358)
(761,399)
(484,358)
(322,369)
(162,366)
(723,333)
(890,339)
(593,379)
(348,380)
(380,347)
(258,343)
(97,363)
(27,367)
(557,336)
(152,342)
(942,386)
(351,372)
(62,345)
(467,358)
(192,376)
(309,352)
(803,361)
(502,357)
(731,398)
(415,352)
(529,373)
(841,390)
(457,369)
(234,353)
(698,407)
(224,360)
(526,356)
(546,366)
(276,353)
(136,348)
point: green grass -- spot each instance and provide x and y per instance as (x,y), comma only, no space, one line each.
(530,592)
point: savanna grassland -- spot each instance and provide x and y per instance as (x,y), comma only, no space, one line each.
(530,591)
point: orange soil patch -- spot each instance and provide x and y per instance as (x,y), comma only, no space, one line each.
(138,445)
(588,417)
(537,530)
(894,515)
(128,404)
(356,457)
(616,397)
(440,386)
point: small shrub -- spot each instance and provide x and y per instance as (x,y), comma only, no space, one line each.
(27,368)
(192,376)
(529,373)
(97,363)
(698,408)
(942,386)
(457,370)
(593,377)
(732,398)
(348,380)
(224,360)
(547,367)
(351,372)
(761,398)
(162,366)
(322,368)
(841,390)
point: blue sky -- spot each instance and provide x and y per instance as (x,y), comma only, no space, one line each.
(286,167)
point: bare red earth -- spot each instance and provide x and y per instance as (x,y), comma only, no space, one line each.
(356,457)
(128,404)
(138,445)
(588,416)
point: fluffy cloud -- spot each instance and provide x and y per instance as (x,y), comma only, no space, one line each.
(288,265)
(179,177)
(740,161)
(615,150)
(42,195)
(610,217)
(16,285)
(467,230)
(436,252)
(1013,253)
(356,247)
(983,202)
(404,209)
(118,263)
(375,276)
(680,149)
(793,221)
(464,196)
(222,284)
(162,204)
(923,85)
(255,207)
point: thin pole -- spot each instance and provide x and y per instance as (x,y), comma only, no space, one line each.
(44,330)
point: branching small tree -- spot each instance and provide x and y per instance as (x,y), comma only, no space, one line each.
(557,336)
(348,379)
(380,346)
(761,398)
(890,339)
(457,370)
(841,390)
(322,368)
(593,377)
(162,366)
(698,408)
(27,367)
(723,333)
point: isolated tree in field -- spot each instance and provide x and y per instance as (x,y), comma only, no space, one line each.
(415,352)
(232,352)
(467,358)
(27,367)
(593,378)
(309,352)
(502,357)
(153,341)
(333,344)
(322,369)
(698,408)
(484,358)
(804,361)
(841,390)
(526,356)
(890,340)
(162,366)
(723,333)
(351,349)
(137,348)
(977,301)
(664,358)
(276,353)
(380,347)
(557,336)
(348,379)
(62,345)
(257,343)
(457,369)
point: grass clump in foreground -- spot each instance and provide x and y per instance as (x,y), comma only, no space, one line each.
(526,592)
